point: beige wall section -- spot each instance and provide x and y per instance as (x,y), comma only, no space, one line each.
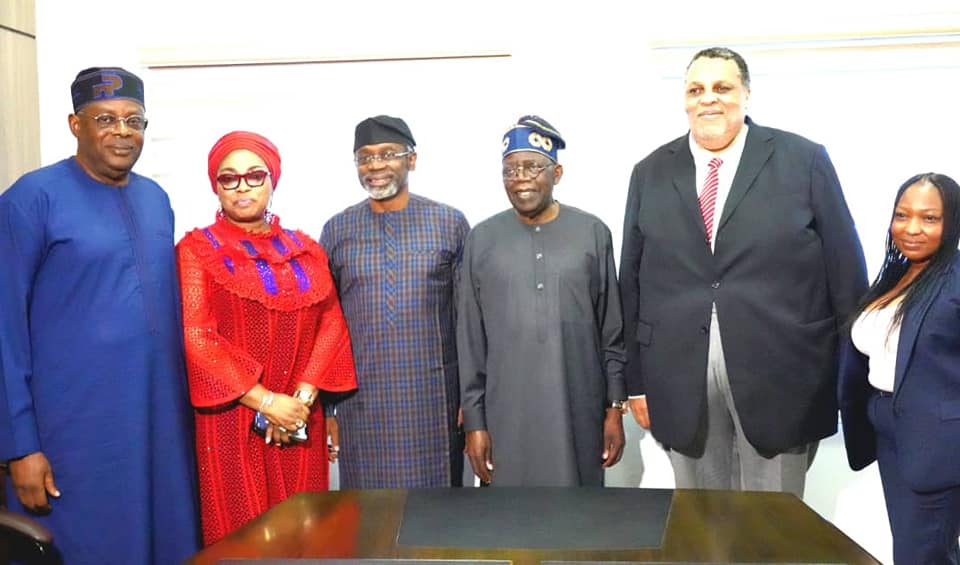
(20,111)
(20,15)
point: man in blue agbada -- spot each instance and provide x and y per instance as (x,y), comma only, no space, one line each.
(93,403)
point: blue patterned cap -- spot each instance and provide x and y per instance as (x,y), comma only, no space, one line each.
(533,133)
(105,83)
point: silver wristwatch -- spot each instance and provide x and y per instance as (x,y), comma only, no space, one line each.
(304,396)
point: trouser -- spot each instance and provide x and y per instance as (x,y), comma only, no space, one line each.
(925,525)
(729,462)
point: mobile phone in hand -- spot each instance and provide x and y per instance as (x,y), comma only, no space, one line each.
(260,424)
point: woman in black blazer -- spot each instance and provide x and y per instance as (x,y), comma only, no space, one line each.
(899,382)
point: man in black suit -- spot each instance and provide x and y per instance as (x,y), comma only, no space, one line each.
(738,231)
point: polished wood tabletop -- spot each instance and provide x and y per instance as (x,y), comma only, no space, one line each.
(712,526)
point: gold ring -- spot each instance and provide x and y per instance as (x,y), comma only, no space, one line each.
(299,424)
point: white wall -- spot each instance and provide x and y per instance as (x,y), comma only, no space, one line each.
(874,81)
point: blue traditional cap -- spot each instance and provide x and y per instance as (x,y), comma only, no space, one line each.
(105,83)
(533,133)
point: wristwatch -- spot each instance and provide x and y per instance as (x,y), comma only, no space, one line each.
(618,404)
(303,395)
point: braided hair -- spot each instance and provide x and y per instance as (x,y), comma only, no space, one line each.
(895,265)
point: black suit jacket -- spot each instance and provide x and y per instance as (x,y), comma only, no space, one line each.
(926,392)
(787,270)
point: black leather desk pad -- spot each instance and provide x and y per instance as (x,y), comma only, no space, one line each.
(536,518)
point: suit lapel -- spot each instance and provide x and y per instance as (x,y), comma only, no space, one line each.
(685,180)
(757,149)
(910,329)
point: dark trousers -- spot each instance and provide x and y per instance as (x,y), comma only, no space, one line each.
(925,525)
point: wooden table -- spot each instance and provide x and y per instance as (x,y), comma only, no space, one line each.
(718,526)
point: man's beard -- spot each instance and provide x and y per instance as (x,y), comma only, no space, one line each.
(382,192)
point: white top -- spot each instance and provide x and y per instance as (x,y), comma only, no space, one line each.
(874,336)
(731,160)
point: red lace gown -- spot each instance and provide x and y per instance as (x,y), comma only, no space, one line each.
(257,308)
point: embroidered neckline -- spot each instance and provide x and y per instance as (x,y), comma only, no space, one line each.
(254,265)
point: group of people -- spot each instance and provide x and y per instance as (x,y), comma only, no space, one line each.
(158,384)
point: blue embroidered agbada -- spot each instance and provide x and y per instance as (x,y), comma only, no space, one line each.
(92,364)
(396,274)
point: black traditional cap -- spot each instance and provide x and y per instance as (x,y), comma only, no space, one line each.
(533,133)
(382,129)
(105,83)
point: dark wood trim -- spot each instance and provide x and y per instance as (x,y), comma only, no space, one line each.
(17,31)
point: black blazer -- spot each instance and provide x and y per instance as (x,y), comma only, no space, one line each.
(787,270)
(926,393)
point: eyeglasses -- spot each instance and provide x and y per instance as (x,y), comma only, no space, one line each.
(386,156)
(529,171)
(135,122)
(254,179)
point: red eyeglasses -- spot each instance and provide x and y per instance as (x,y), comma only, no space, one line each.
(254,179)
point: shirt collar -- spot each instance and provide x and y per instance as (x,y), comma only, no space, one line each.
(731,154)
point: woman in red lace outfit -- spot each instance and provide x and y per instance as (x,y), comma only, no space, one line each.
(264,332)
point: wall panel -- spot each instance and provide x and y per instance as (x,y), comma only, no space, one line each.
(19,15)
(20,110)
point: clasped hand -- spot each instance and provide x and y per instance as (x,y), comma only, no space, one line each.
(286,414)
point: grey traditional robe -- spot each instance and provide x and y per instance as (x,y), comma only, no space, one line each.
(540,343)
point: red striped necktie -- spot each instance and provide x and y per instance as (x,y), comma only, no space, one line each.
(708,196)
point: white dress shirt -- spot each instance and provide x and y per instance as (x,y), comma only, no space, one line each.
(731,160)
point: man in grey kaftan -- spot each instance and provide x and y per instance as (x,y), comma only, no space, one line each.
(539,331)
